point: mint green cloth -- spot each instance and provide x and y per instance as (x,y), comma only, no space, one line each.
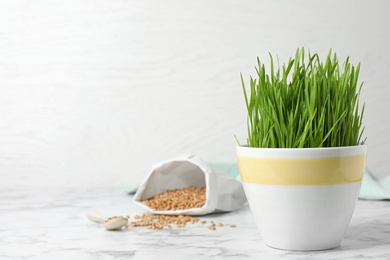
(375,188)
(372,188)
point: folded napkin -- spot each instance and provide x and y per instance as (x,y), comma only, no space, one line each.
(372,188)
(375,188)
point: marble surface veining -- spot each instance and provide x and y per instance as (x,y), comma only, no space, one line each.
(52,224)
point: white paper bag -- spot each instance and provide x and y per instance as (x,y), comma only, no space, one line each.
(223,193)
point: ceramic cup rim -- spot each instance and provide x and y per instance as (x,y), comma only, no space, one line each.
(323,152)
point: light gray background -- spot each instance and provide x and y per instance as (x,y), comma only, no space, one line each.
(92,93)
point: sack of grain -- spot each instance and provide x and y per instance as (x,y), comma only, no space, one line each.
(186,185)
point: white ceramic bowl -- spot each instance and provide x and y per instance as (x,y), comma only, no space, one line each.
(302,199)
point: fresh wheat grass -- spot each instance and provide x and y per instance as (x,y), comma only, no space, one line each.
(305,104)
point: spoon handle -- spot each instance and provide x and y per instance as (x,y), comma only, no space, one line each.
(95,217)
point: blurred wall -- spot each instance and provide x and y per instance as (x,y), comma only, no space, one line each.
(92,93)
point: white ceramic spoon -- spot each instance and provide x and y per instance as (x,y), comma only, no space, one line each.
(110,224)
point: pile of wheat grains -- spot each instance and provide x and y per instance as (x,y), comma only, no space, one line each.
(178,199)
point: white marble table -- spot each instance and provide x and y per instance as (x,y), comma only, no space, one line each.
(51,224)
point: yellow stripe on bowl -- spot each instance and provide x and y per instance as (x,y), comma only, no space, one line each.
(318,171)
